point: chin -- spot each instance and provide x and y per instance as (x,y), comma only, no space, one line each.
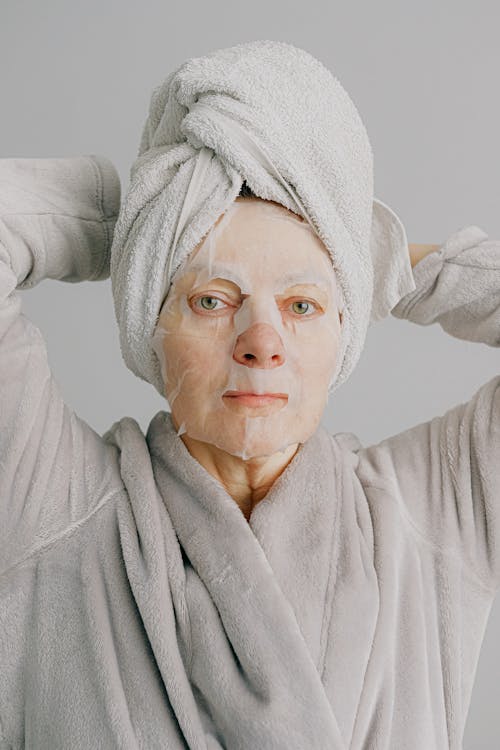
(261,450)
(254,443)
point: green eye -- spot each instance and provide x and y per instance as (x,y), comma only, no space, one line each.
(300,302)
(214,300)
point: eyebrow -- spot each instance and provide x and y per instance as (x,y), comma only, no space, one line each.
(303,277)
(227,273)
(220,270)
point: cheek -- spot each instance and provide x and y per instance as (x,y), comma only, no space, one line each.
(317,350)
(194,364)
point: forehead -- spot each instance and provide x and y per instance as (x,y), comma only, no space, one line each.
(263,240)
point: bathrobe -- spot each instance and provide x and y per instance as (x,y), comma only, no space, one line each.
(140,609)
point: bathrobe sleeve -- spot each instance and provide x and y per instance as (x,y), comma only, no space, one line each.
(445,473)
(56,221)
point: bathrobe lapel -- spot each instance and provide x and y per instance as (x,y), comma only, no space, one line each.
(255,593)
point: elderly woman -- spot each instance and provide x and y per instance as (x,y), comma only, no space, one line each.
(238,577)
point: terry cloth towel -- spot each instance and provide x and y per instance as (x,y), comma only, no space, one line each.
(140,610)
(270,114)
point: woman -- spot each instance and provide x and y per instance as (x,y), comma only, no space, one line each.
(212,583)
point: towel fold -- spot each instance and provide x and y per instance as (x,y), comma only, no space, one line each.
(272,115)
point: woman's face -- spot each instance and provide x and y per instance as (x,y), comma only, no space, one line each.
(254,310)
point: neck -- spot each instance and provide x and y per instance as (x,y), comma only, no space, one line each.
(246,481)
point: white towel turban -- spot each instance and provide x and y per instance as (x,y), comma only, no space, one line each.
(270,114)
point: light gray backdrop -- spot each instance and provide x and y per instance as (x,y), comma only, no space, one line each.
(76,79)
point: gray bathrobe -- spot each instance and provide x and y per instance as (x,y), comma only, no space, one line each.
(138,607)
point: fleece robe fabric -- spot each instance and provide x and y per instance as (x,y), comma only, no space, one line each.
(139,608)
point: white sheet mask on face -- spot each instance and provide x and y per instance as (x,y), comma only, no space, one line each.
(254,309)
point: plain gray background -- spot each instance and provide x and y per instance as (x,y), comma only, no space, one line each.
(77,78)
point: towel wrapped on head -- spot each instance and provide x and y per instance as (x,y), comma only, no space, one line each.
(268,114)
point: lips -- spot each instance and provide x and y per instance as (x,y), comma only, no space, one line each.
(237,394)
(245,398)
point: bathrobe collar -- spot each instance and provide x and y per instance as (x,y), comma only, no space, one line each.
(265,583)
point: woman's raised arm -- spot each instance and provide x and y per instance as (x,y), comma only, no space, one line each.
(56,221)
(445,473)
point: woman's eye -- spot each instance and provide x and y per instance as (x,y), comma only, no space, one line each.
(299,308)
(303,308)
(207,302)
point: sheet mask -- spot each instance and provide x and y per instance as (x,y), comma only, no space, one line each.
(255,309)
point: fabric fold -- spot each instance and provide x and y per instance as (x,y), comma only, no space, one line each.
(235,599)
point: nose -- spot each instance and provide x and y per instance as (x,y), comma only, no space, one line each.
(259,346)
